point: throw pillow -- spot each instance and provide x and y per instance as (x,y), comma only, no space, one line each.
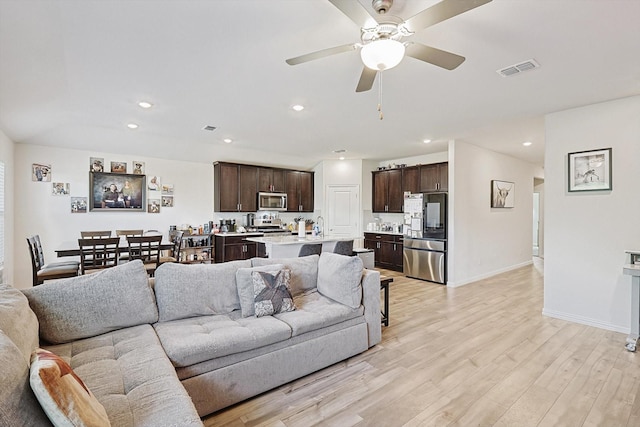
(340,278)
(272,294)
(244,283)
(64,397)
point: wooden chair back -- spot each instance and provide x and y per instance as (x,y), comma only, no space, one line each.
(36,262)
(98,254)
(41,271)
(127,233)
(146,249)
(95,234)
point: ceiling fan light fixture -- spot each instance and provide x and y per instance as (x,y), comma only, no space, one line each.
(382,54)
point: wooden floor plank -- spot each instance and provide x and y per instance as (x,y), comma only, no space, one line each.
(478,355)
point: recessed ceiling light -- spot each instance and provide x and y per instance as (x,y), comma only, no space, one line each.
(298,107)
(341,157)
(228,140)
(132,126)
(426,141)
(145,104)
(527,143)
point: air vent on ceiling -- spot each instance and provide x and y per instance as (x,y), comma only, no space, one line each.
(209,128)
(512,70)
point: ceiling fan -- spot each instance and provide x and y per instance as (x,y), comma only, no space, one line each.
(381,46)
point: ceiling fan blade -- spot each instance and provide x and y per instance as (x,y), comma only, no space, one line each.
(321,54)
(367,78)
(356,12)
(440,12)
(434,56)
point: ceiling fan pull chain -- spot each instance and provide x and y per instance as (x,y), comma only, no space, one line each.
(380,96)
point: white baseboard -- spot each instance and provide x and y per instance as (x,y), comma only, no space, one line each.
(487,275)
(585,321)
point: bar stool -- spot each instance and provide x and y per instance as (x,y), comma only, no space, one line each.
(344,247)
(310,249)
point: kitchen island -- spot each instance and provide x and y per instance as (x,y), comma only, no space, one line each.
(289,246)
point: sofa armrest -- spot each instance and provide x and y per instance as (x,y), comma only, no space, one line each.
(371,303)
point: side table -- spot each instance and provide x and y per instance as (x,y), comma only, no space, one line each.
(384,286)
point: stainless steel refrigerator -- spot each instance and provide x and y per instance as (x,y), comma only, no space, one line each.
(425,241)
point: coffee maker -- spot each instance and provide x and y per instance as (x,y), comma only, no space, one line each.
(251,219)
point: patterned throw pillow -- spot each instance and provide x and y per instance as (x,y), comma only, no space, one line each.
(272,294)
(64,397)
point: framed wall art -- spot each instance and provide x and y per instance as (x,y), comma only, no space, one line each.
(503,194)
(40,172)
(117,192)
(590,170)
(118,167)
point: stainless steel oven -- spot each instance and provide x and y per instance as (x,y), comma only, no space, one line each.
(272,201)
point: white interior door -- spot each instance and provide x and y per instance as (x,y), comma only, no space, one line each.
(536,224)
(343,210)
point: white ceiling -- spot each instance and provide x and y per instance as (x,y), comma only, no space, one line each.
(71,73)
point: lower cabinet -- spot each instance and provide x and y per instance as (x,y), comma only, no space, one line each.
(387,249)
(233,248)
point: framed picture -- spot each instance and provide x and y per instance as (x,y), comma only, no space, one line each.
(154,183)
(60,189)
(78,205)
(167,189)
(40,173)
(503,194)
(96,164)
(138,167)
(118,167)
(167,201)
(154,206)
(117,192)
(590,170)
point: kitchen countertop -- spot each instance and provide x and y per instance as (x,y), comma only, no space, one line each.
(296,240)
(233,234)
(383,232)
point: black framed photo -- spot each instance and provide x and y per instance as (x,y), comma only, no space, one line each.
(590,170)
(117,192)
(503,194)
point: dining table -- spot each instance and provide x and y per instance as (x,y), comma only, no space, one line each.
(71,248)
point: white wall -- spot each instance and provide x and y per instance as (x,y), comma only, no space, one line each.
(6,156)
(586,234)
(485,241)
(38,212)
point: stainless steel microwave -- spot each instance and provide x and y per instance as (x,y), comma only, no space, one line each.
(272,201)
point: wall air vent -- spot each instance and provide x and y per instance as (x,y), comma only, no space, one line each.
(209,128)
(512,70)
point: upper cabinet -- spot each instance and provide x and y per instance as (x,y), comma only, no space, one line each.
(236,187)
(271,180)
(388,186)
(387,191)
(434,177)
(299,187)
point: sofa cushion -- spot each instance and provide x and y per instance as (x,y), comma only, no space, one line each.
(62,394)
(340,277)
(244,283)
(304,271)
(272,293)
(194,340)
(131,376)
(17,320)
(18,404)
(315,311)
(93,304)
(189,290)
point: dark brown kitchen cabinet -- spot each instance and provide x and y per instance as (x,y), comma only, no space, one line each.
(434,177)
(235,187)
(387,191)
(387,249)
(271,180)
(233,248)
(299,185)
(411,179)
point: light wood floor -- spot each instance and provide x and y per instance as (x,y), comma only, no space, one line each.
(478,355)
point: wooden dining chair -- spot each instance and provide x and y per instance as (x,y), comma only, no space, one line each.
(97,254)
(95,234)
(310,249)
(146,249)
(42,271)
(175,252)
(124,257)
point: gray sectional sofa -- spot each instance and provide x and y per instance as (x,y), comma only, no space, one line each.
(189,346)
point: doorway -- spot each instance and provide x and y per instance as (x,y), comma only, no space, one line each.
(343,210)
(536,224)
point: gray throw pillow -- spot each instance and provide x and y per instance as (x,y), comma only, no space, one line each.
(304,271)
(244,282)
(340,278)
(272,295)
